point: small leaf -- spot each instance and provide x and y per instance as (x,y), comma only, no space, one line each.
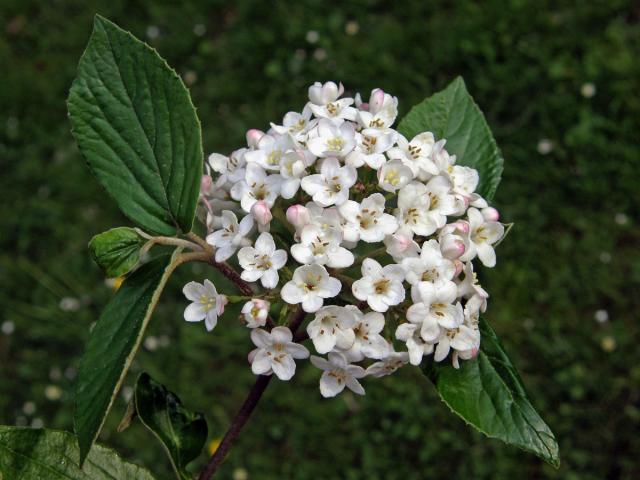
(181,432)
(452,114)
(112,345)
(30,454)
(138,130)
(116,251)
(488,394)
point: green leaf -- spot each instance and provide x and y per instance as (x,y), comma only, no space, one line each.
(138,130)
(116,251)
(453,115)
(30,454)
(181,432)
(488,394)
(112,345)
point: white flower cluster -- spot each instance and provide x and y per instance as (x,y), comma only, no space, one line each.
(347,182)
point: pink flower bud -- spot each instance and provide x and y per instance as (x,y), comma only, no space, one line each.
(462,226)
(474,352)
(298,215)
(490,214)
(452,247)
(205,184)
(261,212)
(402,242)
(376,100)
(253,137)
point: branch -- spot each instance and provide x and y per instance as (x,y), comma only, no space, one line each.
(245,412)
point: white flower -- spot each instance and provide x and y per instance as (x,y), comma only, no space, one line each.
(370,147)
(325,103)
(275,353)
(232,236)
(292,169)
(331,186)
(231,168)
(367,221)
(394,175)
(332,327)
(388,365)
(417,347)
(416,154)
(380,112)
(321,248)
(257,185)
(461,338)
(430,266)
(470,288)
(269,152)
(262,262)
(207,303)
(436,309)
(380,286)
(310,285)
(331,140)
(337,374)
(368,341)
(296,124)
(255,312)
(424,208)
(482,236)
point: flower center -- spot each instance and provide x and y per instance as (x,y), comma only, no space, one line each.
(381,286)
(207,302)
(335,144)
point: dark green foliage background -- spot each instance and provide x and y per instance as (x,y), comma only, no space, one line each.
(567,257)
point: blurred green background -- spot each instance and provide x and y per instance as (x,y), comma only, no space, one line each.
(559,84)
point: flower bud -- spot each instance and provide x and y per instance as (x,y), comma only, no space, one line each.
(253,137)
(261,212)
(452,246)
(205,184)
(459,267)
(298,215)
(256,312)
(376,100)
(462,226)
(490,214)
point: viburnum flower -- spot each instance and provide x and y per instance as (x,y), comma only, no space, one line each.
(310,285)
(336,186)
(206,304)
(324,101)
(381,287)
(256,185)
(231,236)
(255,312)
(332,327)
(367,221)
(436,309)
(331,186)
(389,365)
(482,236)
(321,248)
(275,353)
(368,341)
(338,374)
(332,140)
(262,262)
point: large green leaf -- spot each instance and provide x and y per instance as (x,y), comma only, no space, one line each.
(112,346)
(136,126)
(116,251)
(182,432)
(453,115)
(488,394)
(34,454)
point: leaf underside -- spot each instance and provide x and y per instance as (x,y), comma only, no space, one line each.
(452,114)
(138,130)
(30,454)
(111,347)
(488,394)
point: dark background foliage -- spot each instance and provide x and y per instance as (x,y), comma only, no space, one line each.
(558,82)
